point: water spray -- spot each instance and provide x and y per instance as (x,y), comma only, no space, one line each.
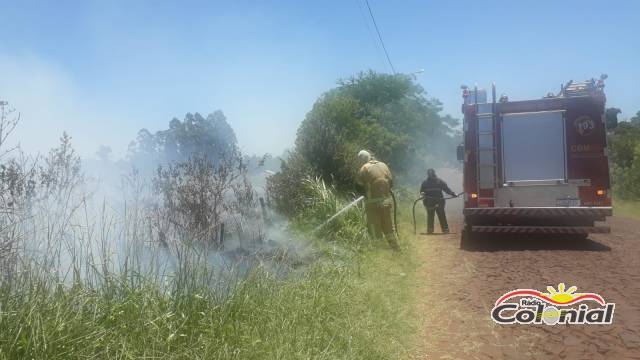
(356,202)
(395,212)
(344,209)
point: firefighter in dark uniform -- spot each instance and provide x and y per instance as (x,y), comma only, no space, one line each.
(433,201)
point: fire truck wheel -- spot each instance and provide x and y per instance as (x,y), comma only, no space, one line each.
(466,237)
(581,236)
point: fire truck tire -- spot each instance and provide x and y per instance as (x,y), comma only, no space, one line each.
(466,236)
(581,236)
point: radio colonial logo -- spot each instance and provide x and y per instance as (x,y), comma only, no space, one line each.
(557,306)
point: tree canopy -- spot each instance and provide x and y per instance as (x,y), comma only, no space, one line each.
(211,137)
(624,147)
(389,115)
(635,121)
(611,118)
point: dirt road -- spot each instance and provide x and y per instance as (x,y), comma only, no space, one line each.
(461,286)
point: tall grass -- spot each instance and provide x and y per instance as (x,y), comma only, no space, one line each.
(325,314)
(92,282)
(628,208)
(321,201)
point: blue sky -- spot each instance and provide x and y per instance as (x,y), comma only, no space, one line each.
(104,69)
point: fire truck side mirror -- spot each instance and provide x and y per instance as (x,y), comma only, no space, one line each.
(460,152)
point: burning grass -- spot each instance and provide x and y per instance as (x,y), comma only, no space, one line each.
(91,282)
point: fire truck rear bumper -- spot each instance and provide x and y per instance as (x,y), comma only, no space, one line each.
(541,229)
(593,212)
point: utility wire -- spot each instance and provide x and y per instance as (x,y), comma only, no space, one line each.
(386,53)
(372,37)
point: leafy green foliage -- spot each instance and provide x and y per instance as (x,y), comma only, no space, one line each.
(285,189)
(349,305)
(627,208)
(388,115)
(320,203)
(330,312)
(635,121)
(624,145)
(611,118)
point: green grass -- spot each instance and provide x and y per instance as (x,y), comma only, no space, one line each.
(626,208)
(335,310)
(355,302)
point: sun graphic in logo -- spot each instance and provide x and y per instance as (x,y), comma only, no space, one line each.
(561,295)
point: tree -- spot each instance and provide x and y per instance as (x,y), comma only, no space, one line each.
(144,150)
(285,188)
(17,173)
(627,179)
(192,195)
(104,153)
(211,137)
(611,118)
(61,170)
(635,121)
(624,146)
(8,123)
(390,115)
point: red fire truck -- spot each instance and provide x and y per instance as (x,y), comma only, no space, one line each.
(536,166)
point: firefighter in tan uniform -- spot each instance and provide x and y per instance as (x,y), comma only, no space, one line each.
(375,176)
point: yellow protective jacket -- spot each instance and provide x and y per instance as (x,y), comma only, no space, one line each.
(377,180)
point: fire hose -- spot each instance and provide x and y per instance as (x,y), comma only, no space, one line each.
(355,202)
(422,197)
(395,212)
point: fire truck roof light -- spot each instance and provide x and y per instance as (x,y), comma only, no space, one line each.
(600,192)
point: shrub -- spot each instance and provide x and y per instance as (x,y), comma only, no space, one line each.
(285,189)
(624,145)
(320,203)
(627,179)
(192,196)
(388,115)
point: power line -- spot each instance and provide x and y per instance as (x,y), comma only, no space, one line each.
(372,37)
(386,53)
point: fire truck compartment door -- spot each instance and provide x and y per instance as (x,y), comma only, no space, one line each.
(537,195)
(533,148)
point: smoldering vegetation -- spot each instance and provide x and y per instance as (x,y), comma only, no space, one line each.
(183,259)
(187,248)
(189,223)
